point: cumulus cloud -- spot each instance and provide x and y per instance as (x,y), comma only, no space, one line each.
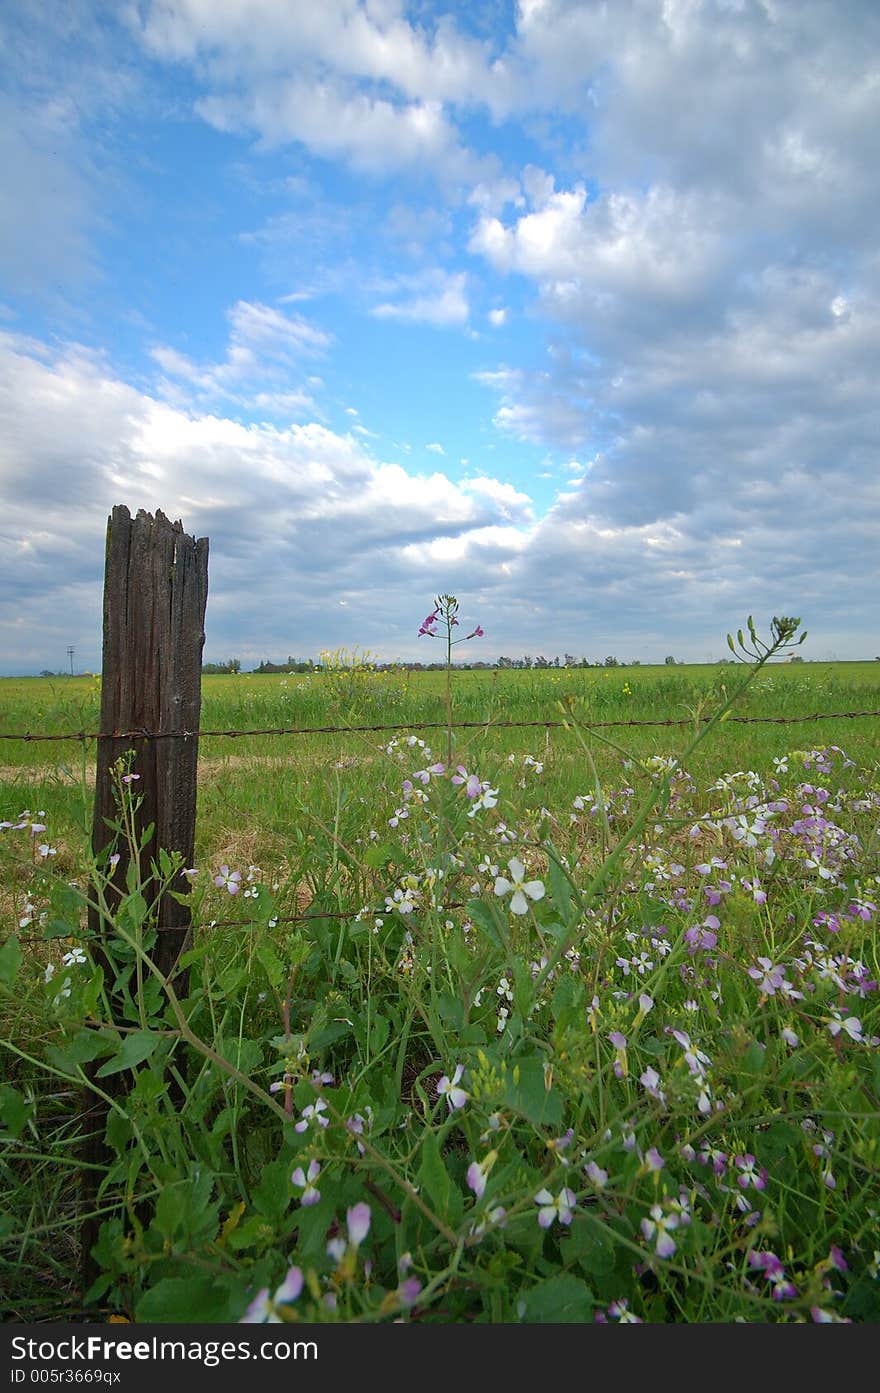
(354,81)
(433,297)
(295,515)
(264,345)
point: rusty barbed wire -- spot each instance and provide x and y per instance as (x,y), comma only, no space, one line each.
(30,737)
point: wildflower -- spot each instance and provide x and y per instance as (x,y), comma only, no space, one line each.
(190,872)
(770,977)
(561,1208)
(448,1088)
(650,1081)
(358,1223)
(305,1181)
(749,1176)
(229,880)
(710,1155)
(312,1113)
(428,625)
(478,1173)
(488,799)
(408,1291)
(46,850)
(848,1025)
(703,935)
(478,632)
(619,1311)
(264,1310)
(130,778)
(75,956)
(596,1174)
(653,1160)
(619,1042)
(472,785)
(356,1125)
(659,1227)
(520,887)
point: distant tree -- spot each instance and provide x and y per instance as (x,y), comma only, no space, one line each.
(611,662)
(231,665)
(796,659)
(670,661)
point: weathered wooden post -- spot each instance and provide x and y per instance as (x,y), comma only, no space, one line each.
(155,592)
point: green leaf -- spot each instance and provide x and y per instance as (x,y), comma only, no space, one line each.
(271,964)
(433,1175)
(527,1093)
(10,961)
(82,1048)
(184,1301)
(486,918)
(272,1195)
(558,1300)
(589,1245)
(560,889)
(14,1110)
(136,1047)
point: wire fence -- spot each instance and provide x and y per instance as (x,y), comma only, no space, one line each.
(366,912)
(30,737)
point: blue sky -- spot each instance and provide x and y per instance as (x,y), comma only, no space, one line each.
(571,309)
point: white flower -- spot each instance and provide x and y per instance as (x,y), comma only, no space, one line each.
(448,1088)
(521,888)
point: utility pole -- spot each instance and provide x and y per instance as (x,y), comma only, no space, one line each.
(70,653)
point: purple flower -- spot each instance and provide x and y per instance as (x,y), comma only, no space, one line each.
(358,1220)
(408,1291)
(262,1309)
(305,1181)
(703,935)
(229,880)
(749,1175)
(428,625)
(659,1227)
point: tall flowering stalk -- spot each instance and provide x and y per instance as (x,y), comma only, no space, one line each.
(445,614)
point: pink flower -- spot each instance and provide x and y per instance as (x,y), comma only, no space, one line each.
(305,1181)
(230,880)
(428,625)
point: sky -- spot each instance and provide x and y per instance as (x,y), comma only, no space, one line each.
(568,308)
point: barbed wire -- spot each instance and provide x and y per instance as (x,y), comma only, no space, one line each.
(31,737)
(269,921)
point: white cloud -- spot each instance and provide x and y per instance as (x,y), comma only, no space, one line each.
(351,81)
(263,344)
(295,512)
(435,448)
(434,297)
(497,318)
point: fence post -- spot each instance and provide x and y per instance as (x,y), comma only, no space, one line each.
(155,592)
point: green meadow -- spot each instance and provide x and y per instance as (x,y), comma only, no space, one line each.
(567,1022)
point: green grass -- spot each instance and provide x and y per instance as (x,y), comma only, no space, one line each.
(388,1003)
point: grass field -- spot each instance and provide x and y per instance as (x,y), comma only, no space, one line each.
(581,1035)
